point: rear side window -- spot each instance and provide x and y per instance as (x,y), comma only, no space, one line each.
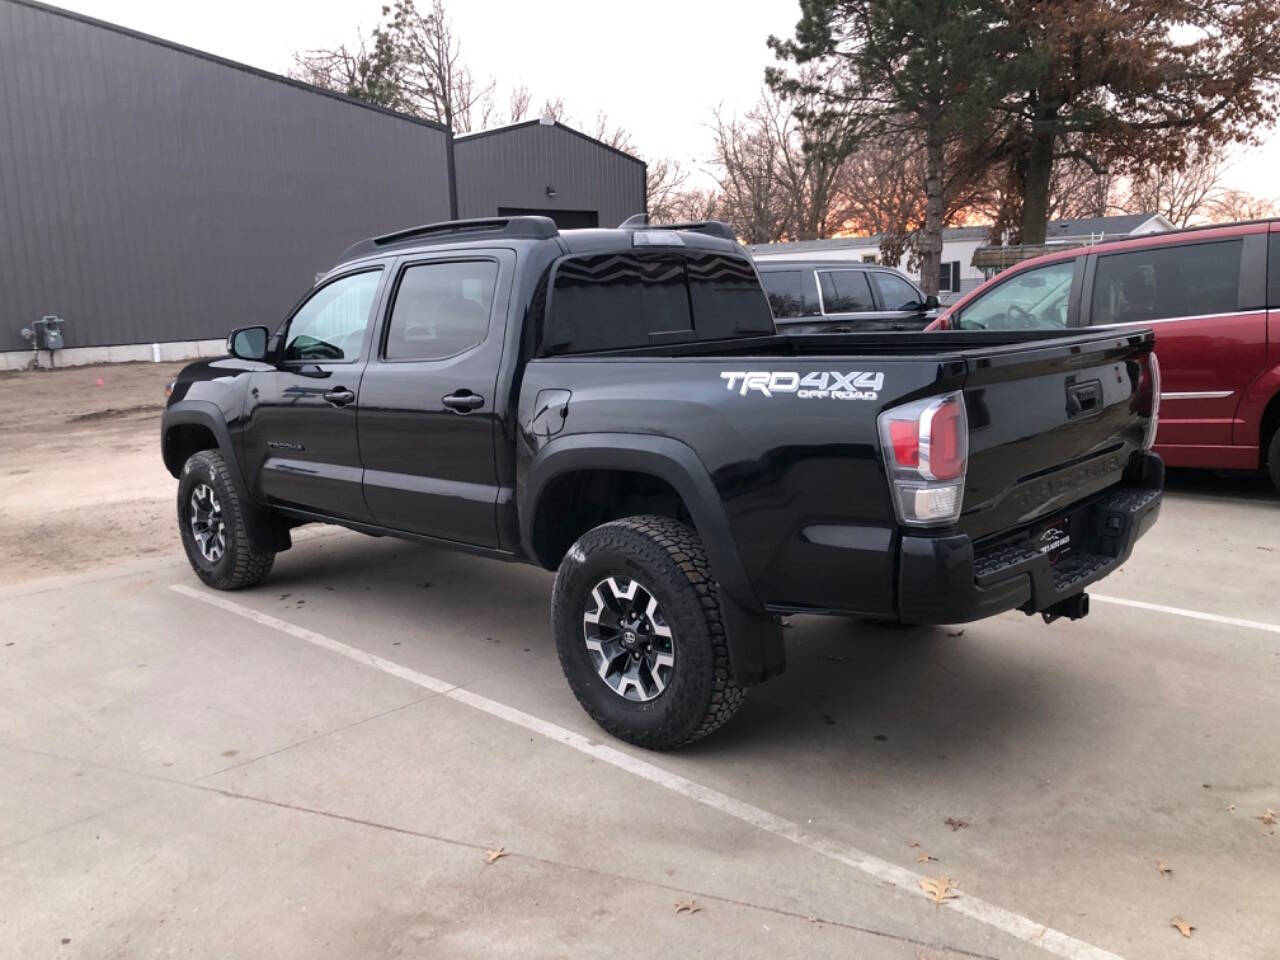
(785,289)
(898,294)
(845,291)
(1162,282)
(441,309)
(615,301)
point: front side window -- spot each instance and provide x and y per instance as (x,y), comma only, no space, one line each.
(1030,300)
(330,326)
(898,294)
(845,291)
(441,309)
(1163,282)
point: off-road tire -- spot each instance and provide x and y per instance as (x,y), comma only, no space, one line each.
(668,559)
(240,565)
(1273,459)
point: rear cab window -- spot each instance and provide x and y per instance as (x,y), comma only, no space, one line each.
(619,301)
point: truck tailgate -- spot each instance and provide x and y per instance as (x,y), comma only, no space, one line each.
(1051,424)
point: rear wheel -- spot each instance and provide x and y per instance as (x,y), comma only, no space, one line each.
(639,632)
(213,522)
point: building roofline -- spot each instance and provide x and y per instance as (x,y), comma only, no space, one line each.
(223,61)
(536,122)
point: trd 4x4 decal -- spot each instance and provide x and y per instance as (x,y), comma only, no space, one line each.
(810,386)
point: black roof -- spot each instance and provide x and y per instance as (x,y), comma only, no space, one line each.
(223,61)
(465,138)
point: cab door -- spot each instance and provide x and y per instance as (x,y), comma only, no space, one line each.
(299,438)
(429,403)
(1205,299)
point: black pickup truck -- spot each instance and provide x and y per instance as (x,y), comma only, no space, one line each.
(616,405)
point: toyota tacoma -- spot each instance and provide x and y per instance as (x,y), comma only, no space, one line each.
(616,405)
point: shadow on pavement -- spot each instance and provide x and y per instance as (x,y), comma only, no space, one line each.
(1222,485)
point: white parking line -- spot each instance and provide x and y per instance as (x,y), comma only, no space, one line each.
(1190,614)
(1016,925)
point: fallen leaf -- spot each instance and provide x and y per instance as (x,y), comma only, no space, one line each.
(925,858)
(938,888)
(1268,818)
(914,843)
(1164,868)
(492,855)
(689,907)
(956,824)
(1181,926)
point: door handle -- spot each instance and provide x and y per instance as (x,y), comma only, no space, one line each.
(463,401)
(339,396)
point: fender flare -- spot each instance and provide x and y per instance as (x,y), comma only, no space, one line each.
(754,636)
(264,530)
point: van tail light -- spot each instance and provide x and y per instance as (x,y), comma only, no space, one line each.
(1147,398)
(926,452)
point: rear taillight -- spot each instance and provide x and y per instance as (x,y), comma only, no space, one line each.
(1149,391)
(926,452)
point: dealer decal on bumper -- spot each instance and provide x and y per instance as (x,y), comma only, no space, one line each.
(810,386)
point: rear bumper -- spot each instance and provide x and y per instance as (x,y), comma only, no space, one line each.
(947,580)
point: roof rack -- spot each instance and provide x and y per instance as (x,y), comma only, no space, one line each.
(533,228)
(713,228)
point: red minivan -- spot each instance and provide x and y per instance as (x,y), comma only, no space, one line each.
(1212,296)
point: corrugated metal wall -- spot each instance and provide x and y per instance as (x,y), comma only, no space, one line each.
(513,166)
(148,193)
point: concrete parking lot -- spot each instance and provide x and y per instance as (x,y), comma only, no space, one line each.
(321,766)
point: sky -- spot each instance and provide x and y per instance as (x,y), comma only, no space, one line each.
(658,68)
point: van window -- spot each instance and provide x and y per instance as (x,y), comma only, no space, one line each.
(616,301)
(785,289)
(898,294)
(845,291)
(1161,282)
(1034,299)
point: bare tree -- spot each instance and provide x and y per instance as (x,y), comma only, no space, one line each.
(436,82)
(1183,194)
(747,170)
(1231,206)
(664,184)
(366,70)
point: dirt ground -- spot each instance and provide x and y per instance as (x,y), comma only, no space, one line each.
(62,432)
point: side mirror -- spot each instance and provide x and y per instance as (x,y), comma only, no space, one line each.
(930,302)
(249,343)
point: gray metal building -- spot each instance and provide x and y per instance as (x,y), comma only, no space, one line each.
(149,192)
(544,167)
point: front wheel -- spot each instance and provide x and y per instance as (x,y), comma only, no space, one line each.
(213,522)
(640,635)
